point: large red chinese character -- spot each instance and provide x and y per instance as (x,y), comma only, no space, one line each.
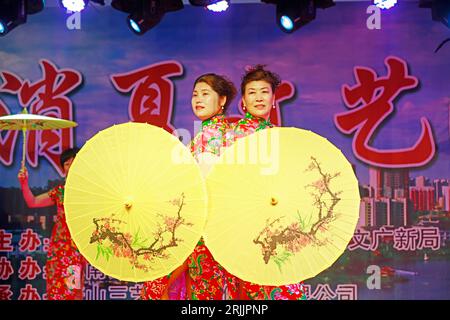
(285,91)
(5,292)
(6,269)
(29,240)
(44,97)
(5,241)
(372,102)
(29,293)
(29,269)
(152,92)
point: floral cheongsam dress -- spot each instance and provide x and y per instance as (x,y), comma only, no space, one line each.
(207,279)
(65,265)
(244,127)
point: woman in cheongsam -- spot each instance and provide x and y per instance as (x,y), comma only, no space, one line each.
(201,276)
(258,99)
(65,265)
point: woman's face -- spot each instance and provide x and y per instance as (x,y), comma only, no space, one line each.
(258,98)
(67,165)
(206,103)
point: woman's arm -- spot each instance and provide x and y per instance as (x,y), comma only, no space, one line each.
(42,200)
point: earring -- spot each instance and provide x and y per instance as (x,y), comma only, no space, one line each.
(222,107)
(243,107)
(273,106)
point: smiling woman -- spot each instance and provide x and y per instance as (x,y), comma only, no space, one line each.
(200,277)
(65,264)
(258,97)
(211,96)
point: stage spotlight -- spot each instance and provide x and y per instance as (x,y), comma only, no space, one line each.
(212,5)
(145,14)
(12,14)
(35,6)
(74,5)
(78,5)
(219,6)
(173,5)
(293,14)
(127,6)
(287,23)
(143,20)
(385,4)
(203,3)
(440,10)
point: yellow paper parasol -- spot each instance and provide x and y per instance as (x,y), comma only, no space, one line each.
(135,202)
(25,121)
(283,205)
(206,161)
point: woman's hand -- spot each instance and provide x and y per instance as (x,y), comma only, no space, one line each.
(23,176)
(40,201)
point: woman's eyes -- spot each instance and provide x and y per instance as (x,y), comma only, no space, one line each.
(253,92)
(201,94)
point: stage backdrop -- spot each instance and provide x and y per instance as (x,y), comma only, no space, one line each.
(381,95)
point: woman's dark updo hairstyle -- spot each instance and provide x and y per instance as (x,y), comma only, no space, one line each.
(259,73)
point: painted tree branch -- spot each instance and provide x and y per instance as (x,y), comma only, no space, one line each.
(282,237)
(292,237)
(123,243)
(159,238)
(326,179)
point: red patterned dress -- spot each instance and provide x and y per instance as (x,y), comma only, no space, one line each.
(205,277)
(208,279)
(215,135)
(65,265)
(153,290)
(244,127)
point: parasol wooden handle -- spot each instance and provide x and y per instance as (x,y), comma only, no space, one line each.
(24,147)
(24,143)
